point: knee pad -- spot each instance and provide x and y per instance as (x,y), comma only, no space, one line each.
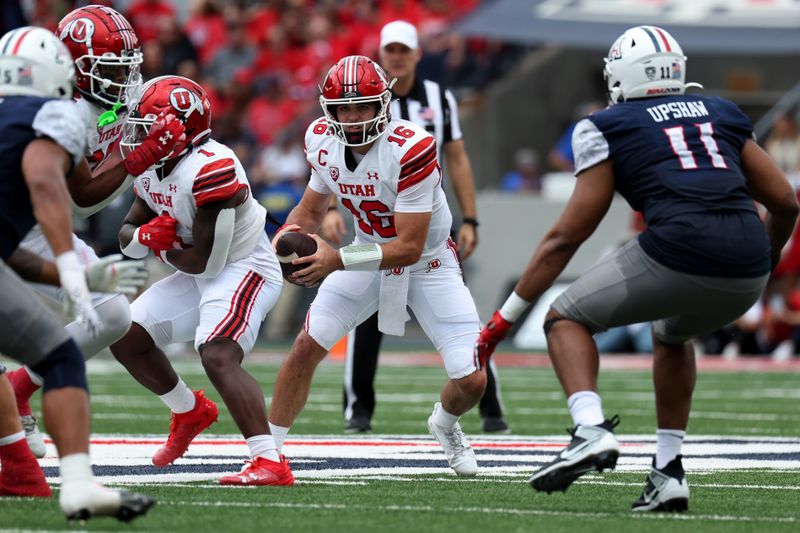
(115,314)
(63,367)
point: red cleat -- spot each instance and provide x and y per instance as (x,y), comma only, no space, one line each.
(20,474)
(184,427)
(261,471)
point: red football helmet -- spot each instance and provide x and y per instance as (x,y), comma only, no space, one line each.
(356,80)
(180,96)
(106,53)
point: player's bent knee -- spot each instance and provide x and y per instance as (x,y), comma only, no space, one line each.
(219,354)
(63,367)
(116,315)
(473,385)
(307,349)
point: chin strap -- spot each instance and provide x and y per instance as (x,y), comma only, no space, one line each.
(223,236)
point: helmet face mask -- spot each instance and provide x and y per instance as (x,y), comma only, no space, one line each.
(643,62)
(356,80)
(35,63)
(176,95)
(106,53)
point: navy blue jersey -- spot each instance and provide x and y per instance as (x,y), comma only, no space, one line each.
(677,159)
(23,119)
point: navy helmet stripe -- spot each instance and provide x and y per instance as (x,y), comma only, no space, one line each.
(652,38)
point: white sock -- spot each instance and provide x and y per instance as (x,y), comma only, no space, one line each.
(36,378)
(586,408)
(76,468)
(668,445)
(263,446)
(180,399)
(443,419)
(11,439)
(279,434)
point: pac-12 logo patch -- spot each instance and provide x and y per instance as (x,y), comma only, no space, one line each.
(334,173)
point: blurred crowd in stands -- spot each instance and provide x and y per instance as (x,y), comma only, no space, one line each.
(261,62)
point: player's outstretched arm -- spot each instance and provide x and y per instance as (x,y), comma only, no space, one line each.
(770,187)
(585,210)
(44,166)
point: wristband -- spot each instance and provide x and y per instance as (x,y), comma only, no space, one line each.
(68,261)
(135,249)
(361,256)
(471,221)
(513,307)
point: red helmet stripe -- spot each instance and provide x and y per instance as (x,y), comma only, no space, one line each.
(122,26)
(19,41)
(663,38)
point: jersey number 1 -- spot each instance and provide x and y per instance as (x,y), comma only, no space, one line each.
(677,139)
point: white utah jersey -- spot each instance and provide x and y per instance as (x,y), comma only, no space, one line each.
(101,139)
(209,173)
(399,174)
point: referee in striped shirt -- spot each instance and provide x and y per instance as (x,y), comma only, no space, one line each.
(429,105)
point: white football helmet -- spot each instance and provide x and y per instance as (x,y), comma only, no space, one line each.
(34,62)
(645,61)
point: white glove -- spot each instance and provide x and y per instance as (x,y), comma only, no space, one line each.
(112,274)
(77,300)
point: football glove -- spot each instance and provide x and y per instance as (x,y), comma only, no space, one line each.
(492,333)
(76,298)
(162,137)
(112,274)
(158,234)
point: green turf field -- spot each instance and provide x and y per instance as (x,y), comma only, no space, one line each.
(735,404)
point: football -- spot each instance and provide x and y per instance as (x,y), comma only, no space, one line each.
(291,245)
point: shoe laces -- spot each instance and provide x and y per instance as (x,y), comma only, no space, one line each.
(455,439)
(608,425)
(28,423)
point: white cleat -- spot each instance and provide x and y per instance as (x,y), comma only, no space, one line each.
(81,501)
(460,454)
(33,436)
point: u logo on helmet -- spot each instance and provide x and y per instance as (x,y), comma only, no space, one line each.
(185,101)
(81,31)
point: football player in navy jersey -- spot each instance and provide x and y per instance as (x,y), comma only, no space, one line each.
(42,138)
(690,165)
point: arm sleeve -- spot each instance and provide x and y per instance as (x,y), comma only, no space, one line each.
(589,145)
(62,121)
(216,182)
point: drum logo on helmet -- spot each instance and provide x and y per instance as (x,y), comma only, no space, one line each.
(185,101)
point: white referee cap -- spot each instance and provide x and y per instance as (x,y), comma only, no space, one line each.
(399,31)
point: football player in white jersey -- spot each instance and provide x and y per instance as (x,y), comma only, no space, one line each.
(196,213)
(386,172)
(107,58)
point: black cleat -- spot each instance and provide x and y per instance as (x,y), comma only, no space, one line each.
(591,448)
(492,424)
(665,490)
(358,424)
